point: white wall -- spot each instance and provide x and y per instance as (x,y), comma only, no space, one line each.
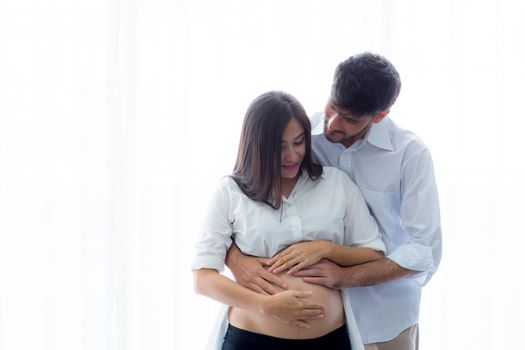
(118,118)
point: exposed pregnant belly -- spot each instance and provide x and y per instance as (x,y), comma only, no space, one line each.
(267,324)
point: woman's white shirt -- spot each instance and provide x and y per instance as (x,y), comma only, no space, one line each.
(328,208)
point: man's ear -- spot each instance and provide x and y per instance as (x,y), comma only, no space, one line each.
(380,116)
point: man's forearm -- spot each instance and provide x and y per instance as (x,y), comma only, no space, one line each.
(375,272)
(233,253)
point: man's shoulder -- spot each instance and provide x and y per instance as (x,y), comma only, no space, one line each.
(316,118)
(317,123)
(404,138)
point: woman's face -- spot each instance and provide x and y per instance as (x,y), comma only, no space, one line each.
(292,149)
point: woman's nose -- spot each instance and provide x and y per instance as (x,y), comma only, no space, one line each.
(290,155)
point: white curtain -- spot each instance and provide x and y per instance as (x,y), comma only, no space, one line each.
(118,117)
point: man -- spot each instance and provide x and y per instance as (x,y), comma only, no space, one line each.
(393,169)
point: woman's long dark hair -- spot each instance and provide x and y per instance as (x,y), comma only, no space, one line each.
(257,170)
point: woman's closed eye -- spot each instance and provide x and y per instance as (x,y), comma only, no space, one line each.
(299,143)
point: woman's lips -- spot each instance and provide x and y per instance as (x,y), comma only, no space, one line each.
(290,167)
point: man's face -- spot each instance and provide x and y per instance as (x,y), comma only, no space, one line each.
(341,126)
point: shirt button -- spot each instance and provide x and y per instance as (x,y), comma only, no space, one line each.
(295,223)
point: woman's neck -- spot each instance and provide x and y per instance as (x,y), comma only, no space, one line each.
(287,185)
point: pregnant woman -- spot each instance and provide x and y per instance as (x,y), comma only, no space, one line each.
(275,197)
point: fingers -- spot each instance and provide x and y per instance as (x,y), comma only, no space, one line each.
(283,265)
(262,286)
(315,306)
(308,273)
(312,317)
(311,314)
(308,305)
(257,289)
(264,261)
(272,261)
(302,322)
(268,288)
(261,279)
(323,281)
(277,261)
(301,294)
(298,267)
(278,256)
(272,278)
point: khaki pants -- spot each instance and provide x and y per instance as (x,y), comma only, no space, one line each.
(407,340)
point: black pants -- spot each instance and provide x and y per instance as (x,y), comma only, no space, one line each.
(239,339)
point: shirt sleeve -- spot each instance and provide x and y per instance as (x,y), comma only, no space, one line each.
(216,231)
(360,226)
(420,216)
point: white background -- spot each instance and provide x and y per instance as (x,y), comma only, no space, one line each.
(117,119)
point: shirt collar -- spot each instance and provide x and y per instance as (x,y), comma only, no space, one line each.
(379,136)
(317,122)
(298,187)
(304,176)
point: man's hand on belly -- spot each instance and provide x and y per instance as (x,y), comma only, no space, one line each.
(250,272)
(331,275)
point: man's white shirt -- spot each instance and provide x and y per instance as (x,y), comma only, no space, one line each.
(394,171)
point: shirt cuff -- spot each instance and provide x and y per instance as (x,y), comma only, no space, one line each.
(413,256)
(376,244)
(208,263)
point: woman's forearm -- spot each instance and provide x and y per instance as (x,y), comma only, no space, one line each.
(290,307)
(211,283)
(303,254)
(348,256)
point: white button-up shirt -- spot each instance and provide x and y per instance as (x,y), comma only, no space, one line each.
(393,169)
(330,208)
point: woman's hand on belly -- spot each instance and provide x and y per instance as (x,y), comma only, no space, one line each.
(266,323)
(292,307)
(299,255)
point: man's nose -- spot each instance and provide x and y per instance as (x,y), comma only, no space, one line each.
(334,120)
